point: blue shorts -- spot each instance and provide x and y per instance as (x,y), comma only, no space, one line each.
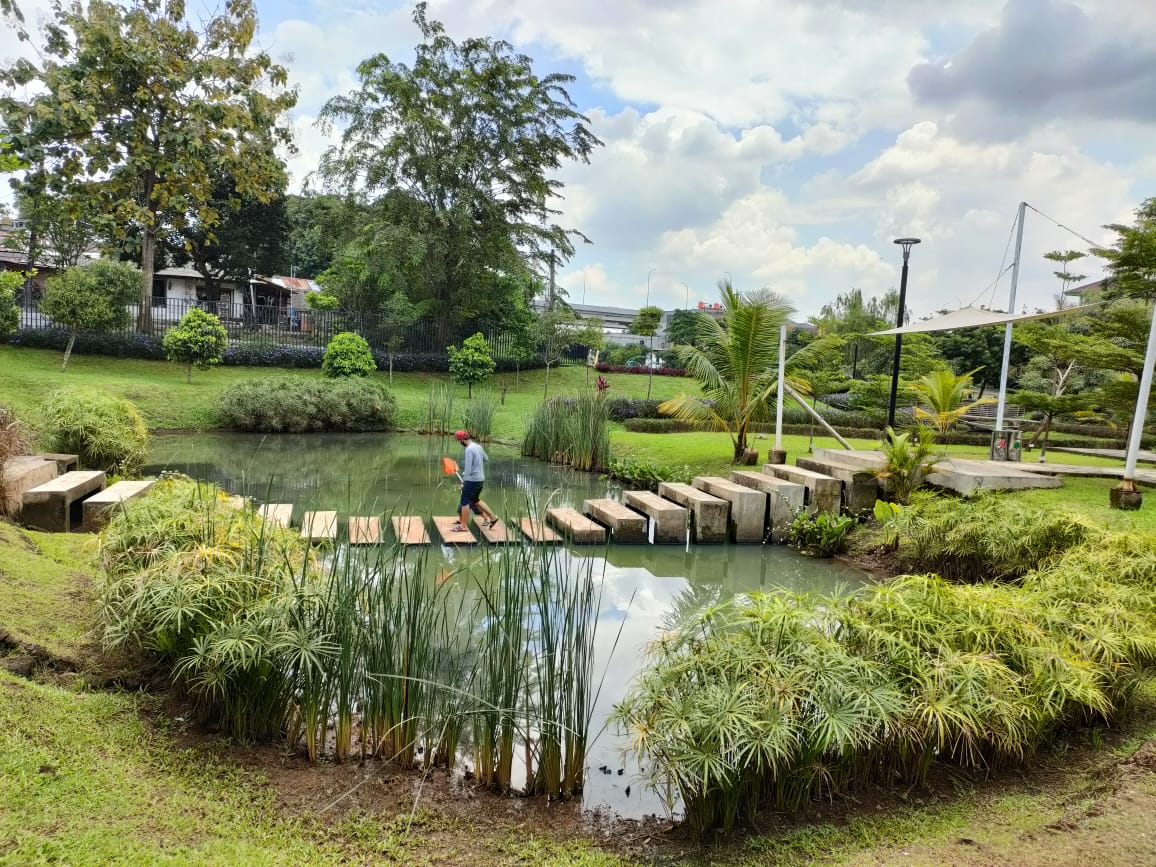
(471,493)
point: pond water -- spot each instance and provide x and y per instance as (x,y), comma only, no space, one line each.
(365,474)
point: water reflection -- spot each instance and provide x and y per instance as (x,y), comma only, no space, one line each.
(643,586)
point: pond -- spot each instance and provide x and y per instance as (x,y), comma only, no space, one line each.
(365,474)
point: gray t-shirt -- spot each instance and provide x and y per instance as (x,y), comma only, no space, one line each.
(473,464)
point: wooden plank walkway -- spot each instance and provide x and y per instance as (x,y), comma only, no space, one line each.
(498,534)
(450,536)
(537,531)
(280,514)
(365,530)
(319,526)
(409,530)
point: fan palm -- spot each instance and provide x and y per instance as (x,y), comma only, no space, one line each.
(942,394)
(736,362)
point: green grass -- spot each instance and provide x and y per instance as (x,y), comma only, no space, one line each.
(1089,497)
(46,590)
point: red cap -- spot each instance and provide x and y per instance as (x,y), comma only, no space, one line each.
(461,435)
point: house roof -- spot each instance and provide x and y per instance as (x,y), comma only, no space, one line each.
(180,271)
(1095,286)
(293,284)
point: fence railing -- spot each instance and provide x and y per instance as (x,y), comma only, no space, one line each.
(273,326)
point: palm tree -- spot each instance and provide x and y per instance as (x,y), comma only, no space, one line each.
(737,363)
(942,394)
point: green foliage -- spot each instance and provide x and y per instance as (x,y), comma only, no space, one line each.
(574,431)
(820,533)
(439,410)
(478,415)
(138,111)
(681,329)
(198,340)
(15,440)
(454,155)
(771,700)
(301,405)
(91,297)
(644,475)
(908,459)
(473,362)
(891,518)
(11,282)
(321,301)
(107,432)
(646,321)
(348,354)
(942,394)
(1132,257)
(737,365)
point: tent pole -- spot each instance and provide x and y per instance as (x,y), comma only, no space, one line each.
(1011,309)
(779,402)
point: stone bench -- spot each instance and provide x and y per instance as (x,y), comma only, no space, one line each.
(576,527)
(860,487)
(55,505)
(625,524)
(666,521)
(784,499)
(708,514)
(96,509)
(820,493)
(748,512)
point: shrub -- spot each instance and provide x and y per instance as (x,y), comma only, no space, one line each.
(107,432)
(15,440)
(657,371)
(645,475)
(10,284)
(663,425)
(570,430)
(622,408)
(91,297)
(478,415)
(118,344)
(909,457)
(197,341)
(473,362)
(301,405)
(322,302)
(348,355)
(821,534)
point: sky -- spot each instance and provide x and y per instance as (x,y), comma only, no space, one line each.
(786,143)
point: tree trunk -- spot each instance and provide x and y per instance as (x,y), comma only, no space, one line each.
(740,443)
(144,317)
(1046,427)
(68,349)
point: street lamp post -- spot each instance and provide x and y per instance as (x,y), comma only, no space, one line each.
(686,300)
(906,244)
(649,366)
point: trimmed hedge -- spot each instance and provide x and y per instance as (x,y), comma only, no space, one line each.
(622,408)
(92,343)
(657,371)
(306,405)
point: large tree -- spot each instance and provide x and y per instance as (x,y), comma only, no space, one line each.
(460,149)
(139,110)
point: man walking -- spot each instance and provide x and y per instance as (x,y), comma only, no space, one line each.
(473,477)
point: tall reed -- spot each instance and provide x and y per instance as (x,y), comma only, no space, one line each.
(478,415)
(574,431)
(440,408)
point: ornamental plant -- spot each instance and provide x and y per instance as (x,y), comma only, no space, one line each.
(91,297)
(348,355)
(10,283)
(472,363)
(199,341)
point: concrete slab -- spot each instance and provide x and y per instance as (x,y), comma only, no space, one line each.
(576,527)
(280,514)
(1143,477)
(625,524)
(748,512)
(537,531)
(97,509)
(709,515)
(868,459)
(1144,456)
(450,536)
(22,474)
(55,505)
(409,530)
(365,530)
(498,534)
(64,463)
(821,493)
(860,487)
(237,502)
(968,477)
(784,499)
(319,526)
(666,521)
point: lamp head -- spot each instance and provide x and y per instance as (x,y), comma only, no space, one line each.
(906,244)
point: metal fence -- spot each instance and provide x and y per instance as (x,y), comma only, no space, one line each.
(276,326)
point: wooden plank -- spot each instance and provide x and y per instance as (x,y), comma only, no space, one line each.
(319,526)
(537,531)
(445,527)
(498,534)
(576,527)
(365,530)
(409,530)
(280,514)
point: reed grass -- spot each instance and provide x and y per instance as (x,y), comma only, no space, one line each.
(574,431)
(479,413)
(439,416)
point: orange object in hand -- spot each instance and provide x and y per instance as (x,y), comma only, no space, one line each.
(449,466)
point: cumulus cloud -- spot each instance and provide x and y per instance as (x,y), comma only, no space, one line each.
(1045,59)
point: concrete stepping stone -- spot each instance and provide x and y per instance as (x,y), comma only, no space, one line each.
(537,531)
(576,527)
(868,459)
(280,514)
(409,530)
(23,473)
(821,493)
(748,512)
(784,499)
(625,524)
(860,486)
(666,521)
(55,505)
(498,534)
(445,524)
(708,514)
(966,477)
(319,526)
(365,530)
(97,509)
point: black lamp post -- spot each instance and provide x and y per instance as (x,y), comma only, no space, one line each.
(906,244)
